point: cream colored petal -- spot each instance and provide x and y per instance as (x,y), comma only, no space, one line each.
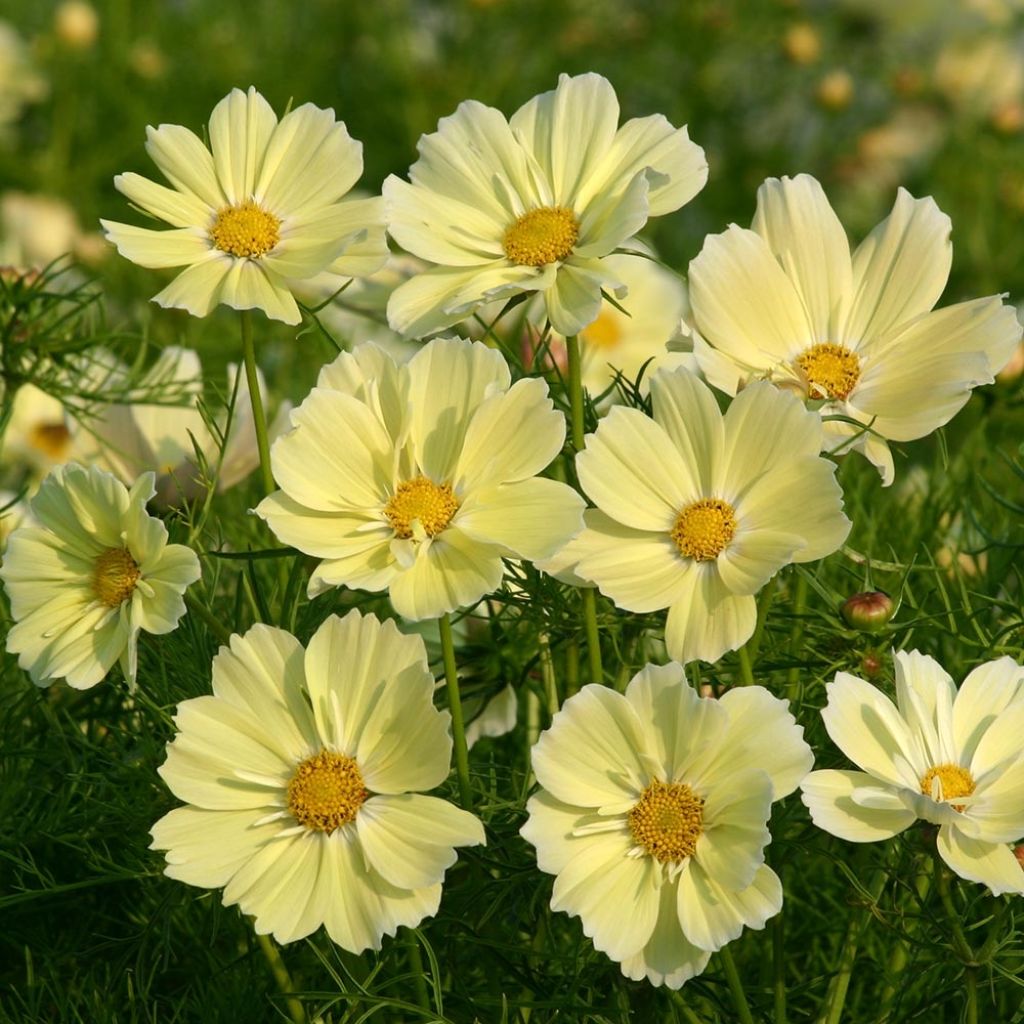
(160,611)
(261,672)
(708,620)
(633,472)
(719,370)
(453,572)
(924,696)
(177,247)
(997,808)
(442,228)
(321,236)
(761,734)
(687,411)
(497,717)
(731,847)
(609,221)
(1001,742)
(983,696)
(410,839)
(206,848)
(683,730)
(180,209)
(247,285)
(448,381)
(549,829)
(442,296)
(801,229)
(991,864)
(361,223)
(899,270)
(317,471)
(310,160)
(753,557)
(590,757)
(323,534)
(676,168)
(185,162)
(197,288)
(529,519)
(854,806)
(374,568)
(743,303)
(573,299)
(712,915)
(240,128)
(868,729)
(595,886)
(510,436)
(669,958)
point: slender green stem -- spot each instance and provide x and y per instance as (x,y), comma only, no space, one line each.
(683,1007)
(419,981)
(960,943)
(796,636)
(258,416)
(547,671)
(764,603)
(444,625)
(971,977)
(283,979)
(593,635)
(732,976)
(779,967)
(746,668)
(572,668)
(216,627)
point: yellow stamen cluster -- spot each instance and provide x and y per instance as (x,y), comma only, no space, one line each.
(832,371)
(245,231)
(667,820)
(953,781)
(114,576)
(326,792)
(704,528)
(421,500)
(542,236)
(52,439)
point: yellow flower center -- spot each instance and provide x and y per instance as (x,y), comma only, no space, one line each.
(667,820)
(604,333)
(326,792)
(421,500)
(52,439)
(704,528)
(541,236)
(246,231)
(114,576)
(953,781)
(831,370)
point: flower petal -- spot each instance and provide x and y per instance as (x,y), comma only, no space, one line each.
(712,915)
(240,128)
(983,696)
(247,285)
(731,847)
(708,620)
(991,864)
(196,288)
(854,806)
(185,162)
(177,247)
(181,209)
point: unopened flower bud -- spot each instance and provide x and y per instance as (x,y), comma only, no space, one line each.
(869,611)
(871,664)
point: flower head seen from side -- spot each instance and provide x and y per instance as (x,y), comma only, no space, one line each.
(658,801)
(533,204)
(92,570)
(436,479)
(858,334)
(303,776)
(946,756)
(262,208)
(697,510)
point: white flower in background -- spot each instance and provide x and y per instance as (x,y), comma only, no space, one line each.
(952,758)
(38,433)
(653,814)
(303,774)
(982,76)
(13,513)
(435,481)
(37,229)
(787,302)
(263,210)
(20,82)
(95,571)
(159,428)
(533,204)
(697,510)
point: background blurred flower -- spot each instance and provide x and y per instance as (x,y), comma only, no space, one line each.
(20,82)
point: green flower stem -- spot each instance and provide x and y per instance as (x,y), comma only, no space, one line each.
(572,668)
(746,668)
(960,944)
(796,636)
(444,625)
(732,976)
(216,627)
(576,422)
(258,416)
(283,979)
(779,966)
(419,982)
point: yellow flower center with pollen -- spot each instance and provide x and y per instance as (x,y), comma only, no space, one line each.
(421,500)
(831,370)
(704,528)
(953,781)
(667,820)
(246,231)
(326,791)
(114,576)
(52,439)
(541,236)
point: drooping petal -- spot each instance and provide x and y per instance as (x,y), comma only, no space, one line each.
(991,864)
(854,806)
(247,285)
(196,288)
(712,914)
(709,619)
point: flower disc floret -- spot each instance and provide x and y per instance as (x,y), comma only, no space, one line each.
(947,781)
(246,231)
(831,370)
(421,501)
(667,821)
(542,236)
(326,791)
(115,576)
(703,530)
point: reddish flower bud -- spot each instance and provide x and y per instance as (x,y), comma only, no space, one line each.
(869,611)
